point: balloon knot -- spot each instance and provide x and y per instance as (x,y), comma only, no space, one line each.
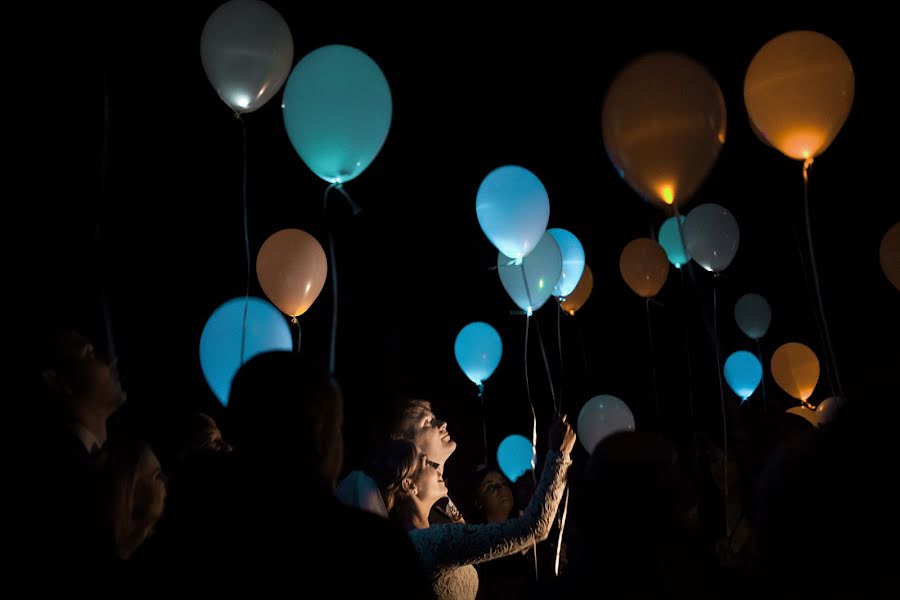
(480,390)
(806,165)
(294,321)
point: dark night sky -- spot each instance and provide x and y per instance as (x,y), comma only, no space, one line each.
(472,90)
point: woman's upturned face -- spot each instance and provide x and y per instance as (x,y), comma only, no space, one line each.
(432,438)
(429,481)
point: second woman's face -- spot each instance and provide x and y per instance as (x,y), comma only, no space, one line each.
(429,481)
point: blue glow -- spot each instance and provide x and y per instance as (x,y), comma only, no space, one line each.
(478,349)
(220,342)
(753,315)
(513,209)
(572,261)
(337,111)
(670,240)
(743,373)
(600,417)
(541,269)
(516,456)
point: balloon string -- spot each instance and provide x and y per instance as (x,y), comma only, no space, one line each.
(562,370)
(831,363)
(332,266)
(537,325)
(246,232)
(562,528)
(297,323)
(687,347)
(653,382)
(721,391)
(483,422)
(533,431)
(763,378)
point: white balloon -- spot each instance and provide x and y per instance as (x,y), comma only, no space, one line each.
(828,408)
(711,236)
(247,51)
(513,209)
(531,283)
(600,417)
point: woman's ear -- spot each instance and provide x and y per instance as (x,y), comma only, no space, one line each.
(409,487)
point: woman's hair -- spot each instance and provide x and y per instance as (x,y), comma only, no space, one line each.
(396,462)
(405,417)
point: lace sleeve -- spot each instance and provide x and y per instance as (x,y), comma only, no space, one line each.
(454,545)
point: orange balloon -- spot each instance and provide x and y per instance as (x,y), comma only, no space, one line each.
(890,255)
(580,294)
(663,126)
(291,268)
(798,91)
(796,370)
(806,413)
(644,266)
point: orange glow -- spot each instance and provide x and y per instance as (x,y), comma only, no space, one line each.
(795,369)
(667,193)
(801,143)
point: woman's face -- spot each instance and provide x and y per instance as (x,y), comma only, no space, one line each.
(150,489)
(495,495)
(429,481)
(432,438)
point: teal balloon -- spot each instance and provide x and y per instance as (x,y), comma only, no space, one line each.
(220,342)
(516,456)
(753,315)
(513,209)
(531,283)
(670,238)
(478,349)
(743,373)
(572,261)
(337,111)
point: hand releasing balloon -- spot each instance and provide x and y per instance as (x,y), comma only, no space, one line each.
(798,91)
(247,51)
(663,126)
(291,268)
(516,456)
(672,240)
(513,209)
(743,373)
(572,261)
(478,349)
(795,369)
(600,417)
(644,266)
(530,284)
(337,111)
(711,236)
(889,254)
(220,342)
(574,301)
(753,315)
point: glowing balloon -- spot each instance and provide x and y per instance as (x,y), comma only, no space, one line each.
(670,238)
(798,91)
(530,284)
(574,301)
(889,253)
(478,349)
(247,51)
(291,268)
(663,126)
(753,315)
(516,456)
(600,417)
(337,111)
(711,236)
(829,408)
(572,261)
(220,342)
(513,209)
(644,266)
(805,413)
(795,369)
(743,373)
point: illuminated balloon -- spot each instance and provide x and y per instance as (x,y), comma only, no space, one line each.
(711,236)
(291,268)
(644,267)
(516,456)
(753,315)
(600,417)
(220,342)
(743,372)
(795,369)
(572,261)
(574,301)
(337,111)
(829,408)
(513,209)
(798,91)
(531,283)
(478,349)
(805,413)
(671,239)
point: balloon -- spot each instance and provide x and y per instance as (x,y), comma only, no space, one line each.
(513,209)
(663,126)
(291,269)
(644,267)
(671,239)
(828,408)
(572,261)
(796,370)
(803,412)
(220,342)
(743,373)
(711,236)
(516,456)
(478,349)
(798,91)
(540,269)
(600,417)
(247,51)
(753,315)
(337,111)
(580,294)
(889,253)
